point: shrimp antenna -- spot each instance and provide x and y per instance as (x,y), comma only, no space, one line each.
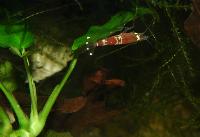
(148,29)
(43,12)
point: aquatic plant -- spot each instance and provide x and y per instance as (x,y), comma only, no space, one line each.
(158,74)
(17,38)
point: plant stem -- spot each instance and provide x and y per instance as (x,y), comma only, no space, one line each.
(4,117)
(52,98)
(7,127)
(32,88)
(22,119)
(21,133)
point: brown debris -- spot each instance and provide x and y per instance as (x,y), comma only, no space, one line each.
(92,81)
(114,83)
(93,114)
(98,79)
(72,105)
(192,24)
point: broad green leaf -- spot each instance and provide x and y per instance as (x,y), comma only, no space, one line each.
(15,36)
(116,23)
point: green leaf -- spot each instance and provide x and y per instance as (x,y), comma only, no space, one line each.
(15,36)
(116,23)
(142,11)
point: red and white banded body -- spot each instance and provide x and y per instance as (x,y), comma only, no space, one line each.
(121,39)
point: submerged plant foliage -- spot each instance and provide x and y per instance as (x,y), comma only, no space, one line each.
(15,36)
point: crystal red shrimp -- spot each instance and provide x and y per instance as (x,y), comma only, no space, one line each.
(121,39)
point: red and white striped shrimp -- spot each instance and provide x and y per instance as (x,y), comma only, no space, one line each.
(121,39)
